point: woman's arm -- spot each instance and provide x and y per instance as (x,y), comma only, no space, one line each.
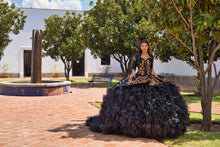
(153,73)
(134,65)
(132,74)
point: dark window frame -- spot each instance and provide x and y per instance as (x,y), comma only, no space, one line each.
(106,60)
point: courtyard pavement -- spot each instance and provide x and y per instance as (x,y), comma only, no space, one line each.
(59,121)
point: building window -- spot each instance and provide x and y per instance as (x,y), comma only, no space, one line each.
(105,60)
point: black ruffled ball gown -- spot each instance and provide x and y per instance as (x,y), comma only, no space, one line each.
(145,106)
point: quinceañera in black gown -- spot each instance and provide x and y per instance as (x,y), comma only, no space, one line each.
(143,106)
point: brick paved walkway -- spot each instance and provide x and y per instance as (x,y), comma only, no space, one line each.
(56,121)
(59,121)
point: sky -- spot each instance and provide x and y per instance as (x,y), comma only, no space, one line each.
(53,4)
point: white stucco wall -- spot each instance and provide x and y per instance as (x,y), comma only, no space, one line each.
(94,65)
(178,67)
(175,66)
(35,20)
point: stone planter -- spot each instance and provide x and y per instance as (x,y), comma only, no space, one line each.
(55,75)
(26,88)
(3,76)
(120,74)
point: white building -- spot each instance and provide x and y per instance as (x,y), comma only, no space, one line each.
(17,53)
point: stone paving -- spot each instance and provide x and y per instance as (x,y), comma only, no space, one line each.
(59,121)
(195,107)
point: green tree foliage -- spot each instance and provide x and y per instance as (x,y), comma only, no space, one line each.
(176,34)
(12,20)
(62,39)
(114,27)
(191,32)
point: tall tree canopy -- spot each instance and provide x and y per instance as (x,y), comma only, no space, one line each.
(62,39)
(114,27)
(191,32)
(12,20)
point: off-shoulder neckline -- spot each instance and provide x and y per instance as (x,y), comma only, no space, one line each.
(138,55)
(146,58)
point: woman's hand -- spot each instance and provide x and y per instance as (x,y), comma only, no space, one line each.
(153,73)
(132,74)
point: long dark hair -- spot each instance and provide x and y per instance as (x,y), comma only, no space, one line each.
(148,51)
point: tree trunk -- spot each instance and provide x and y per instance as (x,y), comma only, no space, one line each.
(204,102)
(217,75)
(67,73)
(207,99)
(122,68)
(206,122)
(198,92)
(129,66)
(36,56)
(126,66)
(206,105)
(67,68)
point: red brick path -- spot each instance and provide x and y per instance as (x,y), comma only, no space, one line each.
(56,121)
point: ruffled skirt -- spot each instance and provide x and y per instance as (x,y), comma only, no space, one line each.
(142,110)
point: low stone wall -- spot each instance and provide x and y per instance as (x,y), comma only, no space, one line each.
(12,75)
(16,75)
(25,88)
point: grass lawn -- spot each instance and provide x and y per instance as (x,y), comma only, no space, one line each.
(79,80)
(72,80)
(5,79)
(76,80)
(195,139)
(97,104)
(198,116)
(104,84)
(194,99)
(88,79)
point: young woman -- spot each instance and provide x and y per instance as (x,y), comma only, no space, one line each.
(142,104)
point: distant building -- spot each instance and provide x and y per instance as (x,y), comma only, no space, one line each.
(18,53)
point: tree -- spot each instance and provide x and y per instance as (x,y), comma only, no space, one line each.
(62,39)
(191,32)
(12,21)
(114,27)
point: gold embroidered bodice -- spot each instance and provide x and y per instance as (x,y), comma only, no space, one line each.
(144,74)
(144,65)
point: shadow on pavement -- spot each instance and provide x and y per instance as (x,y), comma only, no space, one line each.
(79,130)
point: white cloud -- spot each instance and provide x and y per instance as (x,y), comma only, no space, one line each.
(53,4)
